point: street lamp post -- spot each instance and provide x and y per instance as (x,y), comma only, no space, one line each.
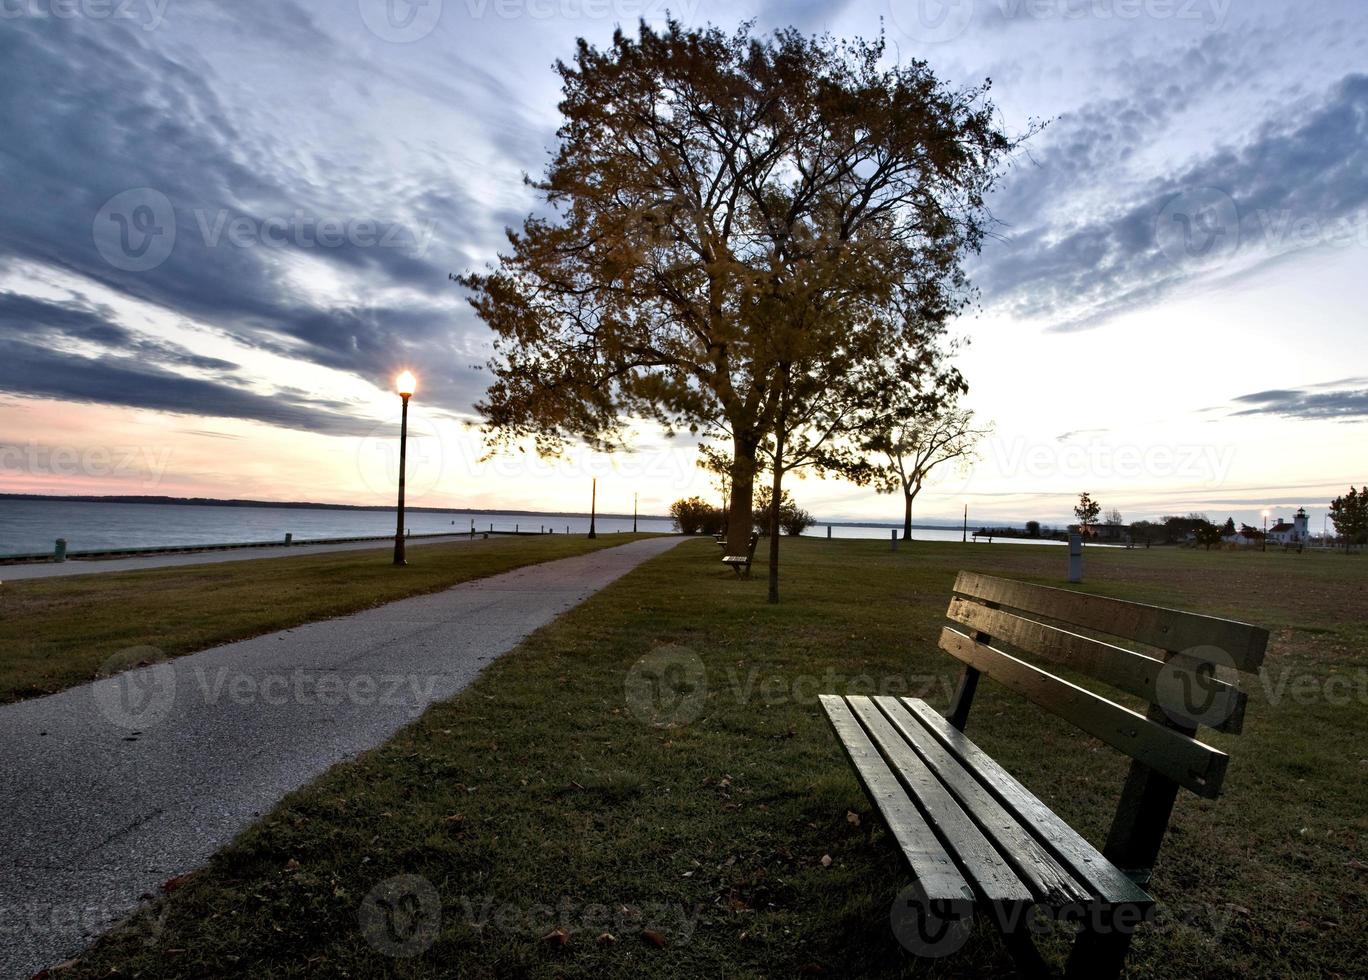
(634,512)
(964,534)
(405,384)
(1264,542)
(593,507)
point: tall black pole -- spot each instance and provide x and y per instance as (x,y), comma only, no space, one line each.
(964,536)
(634,513)
(593,507)
(403,459)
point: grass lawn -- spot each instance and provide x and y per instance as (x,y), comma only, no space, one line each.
(542,799)
(55,633)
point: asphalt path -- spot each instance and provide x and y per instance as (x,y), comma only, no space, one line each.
(113,788)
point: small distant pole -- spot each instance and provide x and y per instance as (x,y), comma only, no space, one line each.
(593,507)
(289,537)
(964,536)
(828,532)
(893,538)
(59,552)
(634,513)
(1075,554)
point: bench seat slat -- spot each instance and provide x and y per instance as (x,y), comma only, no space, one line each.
(1087,863)
(1052,884)
(1125,670)
(936,873)
(995,880)
(1182,758)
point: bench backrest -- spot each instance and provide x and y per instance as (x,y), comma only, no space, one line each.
(1174,670)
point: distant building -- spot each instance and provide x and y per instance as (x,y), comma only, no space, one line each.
(1295,532)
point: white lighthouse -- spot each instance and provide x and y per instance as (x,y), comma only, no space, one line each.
(1300,532)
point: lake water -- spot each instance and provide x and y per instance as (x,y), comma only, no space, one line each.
(30,526)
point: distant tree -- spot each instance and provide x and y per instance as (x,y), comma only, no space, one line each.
(932,432)
(1033,529)
(695,514)
(1208,534)
(1086,511)
(791,519)
(1142,531)
(1228,528)
(1349,514)
(796,521)
(1114,517)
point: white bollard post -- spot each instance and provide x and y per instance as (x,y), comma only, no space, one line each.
(1075,555)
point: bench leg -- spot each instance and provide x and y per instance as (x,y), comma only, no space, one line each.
(1097,955)
(1021,945)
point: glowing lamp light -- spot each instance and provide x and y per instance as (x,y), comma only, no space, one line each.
(406,384)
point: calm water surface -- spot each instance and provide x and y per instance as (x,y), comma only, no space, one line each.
(34,525)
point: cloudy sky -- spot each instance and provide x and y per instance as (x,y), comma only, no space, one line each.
(224,227)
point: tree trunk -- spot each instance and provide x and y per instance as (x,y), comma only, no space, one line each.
(742,496)
(776,496)
(907,517)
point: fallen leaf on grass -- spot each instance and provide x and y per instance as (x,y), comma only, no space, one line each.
(171,884)
(653,937)
(606,939)
(826,860)
(852,818)
(556,937)
(292,865)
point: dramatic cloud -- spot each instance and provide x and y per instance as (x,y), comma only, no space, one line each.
(1341,401)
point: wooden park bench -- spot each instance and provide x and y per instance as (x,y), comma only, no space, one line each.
(739,563)
(975,839)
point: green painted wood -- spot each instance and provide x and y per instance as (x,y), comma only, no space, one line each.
(1204,637)
(1182,758)
(992,876)
(1190,691)
(1050,882)
(1073,851)
(936,873)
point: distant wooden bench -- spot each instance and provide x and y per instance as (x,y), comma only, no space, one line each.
(739,563)
(973,836)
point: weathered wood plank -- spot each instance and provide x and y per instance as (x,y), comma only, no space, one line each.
(1183,759)
(1052,884)
(994,880)
(1204,637)
(935,871)
(1190,693)
(1072,850)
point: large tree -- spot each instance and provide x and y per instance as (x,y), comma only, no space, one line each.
(1349,514)
(727,216)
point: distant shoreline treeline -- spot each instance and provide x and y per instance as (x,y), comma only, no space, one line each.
(307,505)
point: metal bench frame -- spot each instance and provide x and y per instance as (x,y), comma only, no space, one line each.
(967,828)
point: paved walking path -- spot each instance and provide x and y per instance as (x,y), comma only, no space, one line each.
(92,566)
(112,788)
